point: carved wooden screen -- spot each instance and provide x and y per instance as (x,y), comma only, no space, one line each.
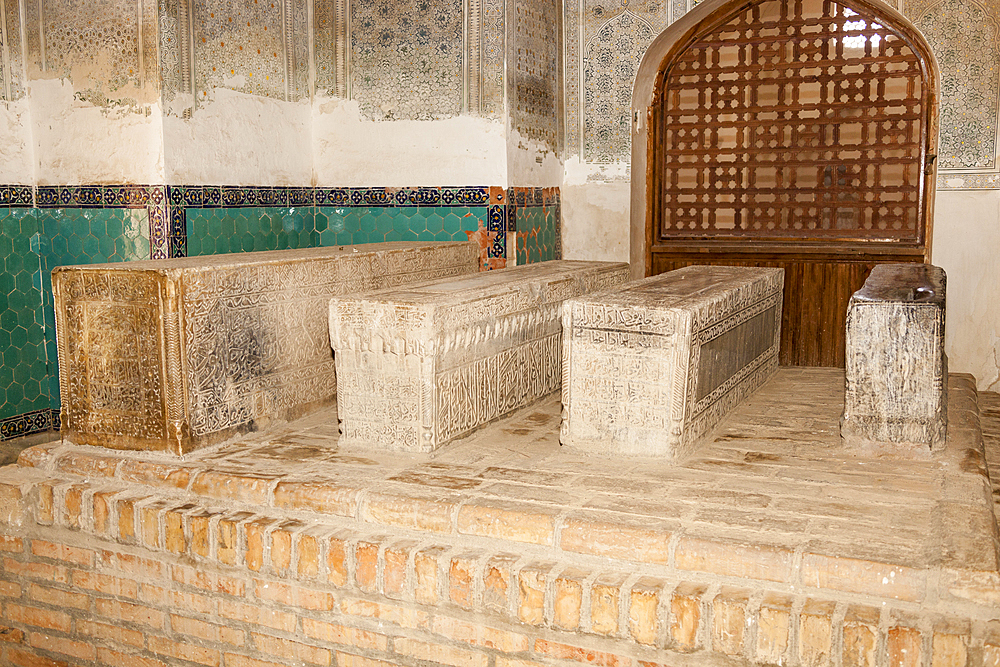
(792,131)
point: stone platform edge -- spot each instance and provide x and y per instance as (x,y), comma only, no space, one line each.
(407,576)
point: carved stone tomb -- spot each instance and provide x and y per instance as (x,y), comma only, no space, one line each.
(650,369)
(177,354)
(420,366)
(896,394)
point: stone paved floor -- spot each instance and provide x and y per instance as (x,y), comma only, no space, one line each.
(775,476)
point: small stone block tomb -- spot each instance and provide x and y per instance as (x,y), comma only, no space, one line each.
(650,369)
(422,365)
(172,355)
(896,371)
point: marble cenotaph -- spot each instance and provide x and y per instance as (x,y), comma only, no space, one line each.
(177,354)
(896,399)
(650,369)
(421,365)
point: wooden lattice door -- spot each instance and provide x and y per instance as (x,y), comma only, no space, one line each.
(794,133)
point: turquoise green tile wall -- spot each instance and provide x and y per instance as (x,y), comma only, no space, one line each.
(536,234)
(214,231)
(347,225)
(45,227)
(24,375)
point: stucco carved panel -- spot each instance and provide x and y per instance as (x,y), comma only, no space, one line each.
(420,366)
(651,368)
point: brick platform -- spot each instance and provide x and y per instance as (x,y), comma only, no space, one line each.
(505,550)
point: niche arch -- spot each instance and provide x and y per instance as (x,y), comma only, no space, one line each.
(792,133)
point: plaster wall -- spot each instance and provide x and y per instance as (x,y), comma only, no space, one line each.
(595,221)
(348,151)
(236,138)
(77,142)
(16,151)
(531,162)
(965,242)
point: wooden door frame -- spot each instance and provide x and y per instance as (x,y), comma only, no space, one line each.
(703,18)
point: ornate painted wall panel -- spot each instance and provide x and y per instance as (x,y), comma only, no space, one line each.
(406,59)
(109,44)
(257,47)
(535,88)
(11,60)
(965,38)
(604,43)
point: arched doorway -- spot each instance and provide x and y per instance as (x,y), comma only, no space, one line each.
(791,133)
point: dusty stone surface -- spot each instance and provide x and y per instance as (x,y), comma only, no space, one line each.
(176,354)
(422,365)
(896,371)
(772,545)
(651,368)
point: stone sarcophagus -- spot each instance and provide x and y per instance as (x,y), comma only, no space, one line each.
(177,354)
(421,365)
(896,398)
(650,369)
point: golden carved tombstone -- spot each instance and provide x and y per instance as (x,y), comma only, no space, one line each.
(173,355)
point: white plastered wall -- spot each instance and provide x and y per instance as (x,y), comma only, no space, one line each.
(966,244)
(76,142)
(17,164)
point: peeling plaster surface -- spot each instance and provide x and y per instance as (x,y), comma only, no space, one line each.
(349,151)
(524,167)
(240,139)
(595,221)
(16,161)
(966,245)
(76,142)
(578,172)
